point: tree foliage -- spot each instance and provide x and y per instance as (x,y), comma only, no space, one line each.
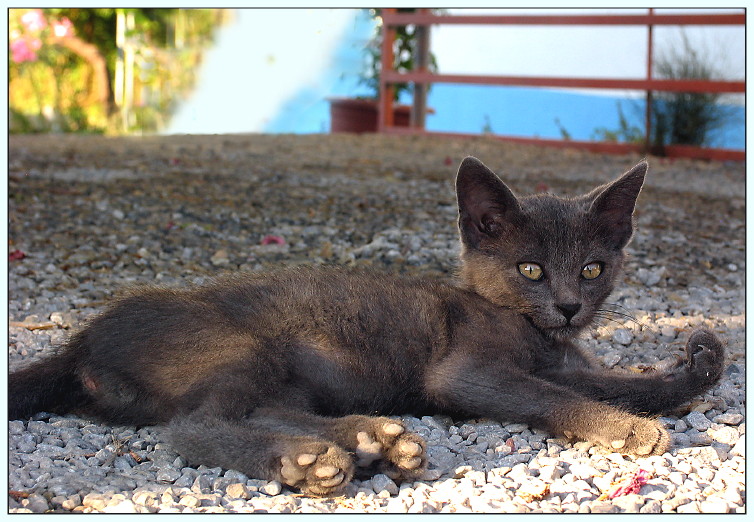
(65,82)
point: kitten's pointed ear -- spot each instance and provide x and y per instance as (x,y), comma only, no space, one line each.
(485,203)
(613,205)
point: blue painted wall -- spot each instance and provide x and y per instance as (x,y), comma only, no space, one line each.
(519,111)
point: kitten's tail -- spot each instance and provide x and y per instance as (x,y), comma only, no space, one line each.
(49,385)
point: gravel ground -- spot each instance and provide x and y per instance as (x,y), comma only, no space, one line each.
(89,215)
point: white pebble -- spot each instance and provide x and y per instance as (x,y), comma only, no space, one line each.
(623,336)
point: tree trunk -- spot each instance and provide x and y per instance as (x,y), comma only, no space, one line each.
(102,92)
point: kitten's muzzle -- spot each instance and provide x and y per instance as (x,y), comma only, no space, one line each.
(569,310)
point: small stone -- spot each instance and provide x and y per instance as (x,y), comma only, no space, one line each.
(700,439)
(651,506)
(396,505)
(220,258)
(602,507)
(516,428)
(550,473)
(62,319)
(144,498)
(220,483)
(667,334)
(167,497)
(95,501)
(272,488)
(430,475)
(650,277)
(190,501)
(714,506)
(533,490)
(691,507)
(681,440)
(705,456)
(238,490)
(185,481)
(629,503)
(483,505)
(381,482)
(623,336)
(461,471)
(703,407)
(72,502)
(520,472)
(733,419)
(698,421)
(202,484)
(168,475)
(726,435)
(739,449)
(36,503)
(124,506)
(583,471)
(118,214)
(236,475)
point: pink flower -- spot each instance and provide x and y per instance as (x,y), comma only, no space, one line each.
(273,240)
(631,485)
(34,20)
(22,50)
(62,28)
(16,255)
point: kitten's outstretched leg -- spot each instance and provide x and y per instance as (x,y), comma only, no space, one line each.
(652,392)
(314,465)
(379,443)
(478,388)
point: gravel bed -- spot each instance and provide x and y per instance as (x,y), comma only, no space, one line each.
(90,215)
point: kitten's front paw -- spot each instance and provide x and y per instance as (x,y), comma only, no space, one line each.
(317,468)
(704,356)
(402,454)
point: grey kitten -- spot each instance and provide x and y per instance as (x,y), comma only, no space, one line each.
(279,375)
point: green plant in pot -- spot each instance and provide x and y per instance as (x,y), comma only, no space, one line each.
(405,53)
(360,114)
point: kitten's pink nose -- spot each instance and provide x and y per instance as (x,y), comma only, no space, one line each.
(569,309)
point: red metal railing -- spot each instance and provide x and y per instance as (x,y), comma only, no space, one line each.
(421,77)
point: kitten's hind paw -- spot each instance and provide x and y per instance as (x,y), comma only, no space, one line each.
(402,454)
(704,356)
(317,468)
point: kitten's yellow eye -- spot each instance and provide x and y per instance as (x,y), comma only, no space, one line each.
(531,271)
(591,271)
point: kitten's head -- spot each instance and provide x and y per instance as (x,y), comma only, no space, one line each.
(553,259)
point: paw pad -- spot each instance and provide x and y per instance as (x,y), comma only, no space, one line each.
(317,473)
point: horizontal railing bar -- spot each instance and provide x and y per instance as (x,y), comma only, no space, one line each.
(643,19)
(716,86)
(594,146)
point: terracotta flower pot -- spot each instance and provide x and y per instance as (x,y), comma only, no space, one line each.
(360,115)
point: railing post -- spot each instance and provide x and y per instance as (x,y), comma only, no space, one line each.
(385,105)
(419,108)
(648,113)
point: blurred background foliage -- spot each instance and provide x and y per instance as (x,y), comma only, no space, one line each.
(103,70)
